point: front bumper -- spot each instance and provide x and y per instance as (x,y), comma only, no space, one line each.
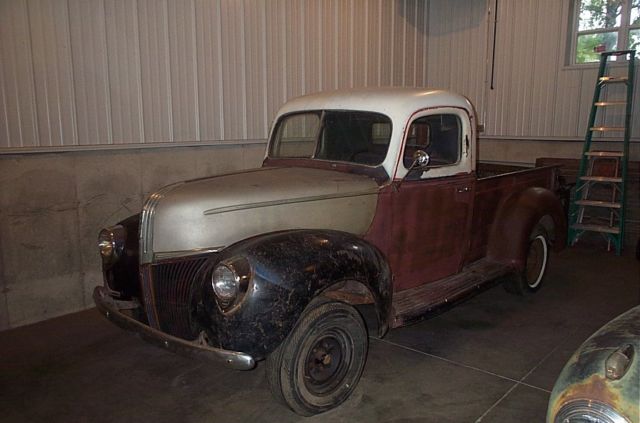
(108,306)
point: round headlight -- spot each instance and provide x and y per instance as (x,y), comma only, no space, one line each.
(106,245)
(111,243)
(230,280)
(587,411)
(224,282)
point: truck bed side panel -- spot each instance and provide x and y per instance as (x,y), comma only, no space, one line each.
(490,194)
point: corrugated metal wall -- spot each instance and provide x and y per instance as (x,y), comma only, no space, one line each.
(535,95)
(458,47)
(104,72)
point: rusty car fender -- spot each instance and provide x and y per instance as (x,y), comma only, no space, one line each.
(586,378)
(289,269)
(517,216)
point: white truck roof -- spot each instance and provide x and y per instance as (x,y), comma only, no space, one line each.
(397,103)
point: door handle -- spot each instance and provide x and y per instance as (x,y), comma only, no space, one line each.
(463,189)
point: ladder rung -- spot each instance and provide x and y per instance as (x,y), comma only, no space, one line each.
(596,203)
(613,79)
(609,103)
(601,179)
(607,128)
(596,228)
(604,153)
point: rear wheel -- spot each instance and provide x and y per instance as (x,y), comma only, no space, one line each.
(319,364)
(530,279)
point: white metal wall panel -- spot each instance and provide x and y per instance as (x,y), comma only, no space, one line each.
(18,90)
(183,65)
(536,95)
(329,45)
(154,63)
(125,73)
(233,69)
(53,80)
(386,40)
(90,71)
(294,11)
(373,45)
(567,105)
(209,51)
(547,50)
(397,45)
(343,52)
(457,40)
(358,31)
(256,77)
(96,72)
(312,49)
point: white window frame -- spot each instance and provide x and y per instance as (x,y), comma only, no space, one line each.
(466,162)
(623,31)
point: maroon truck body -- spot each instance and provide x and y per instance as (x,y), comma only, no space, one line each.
(456,215)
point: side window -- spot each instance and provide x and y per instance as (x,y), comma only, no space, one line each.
(440,136)
(296,135)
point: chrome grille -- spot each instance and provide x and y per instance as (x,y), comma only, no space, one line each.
(168,296)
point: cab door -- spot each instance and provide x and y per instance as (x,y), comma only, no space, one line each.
(432,206)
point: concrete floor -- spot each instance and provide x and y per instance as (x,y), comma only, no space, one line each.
(492,359)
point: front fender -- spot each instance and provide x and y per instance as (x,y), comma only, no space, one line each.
(290,269)
(585,376)
(515,219)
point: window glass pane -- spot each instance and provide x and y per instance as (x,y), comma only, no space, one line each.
(634,41)
(345,136)
(357,137)
(635,12)
(438,135)
(599,14)
(296,135)
(590,46)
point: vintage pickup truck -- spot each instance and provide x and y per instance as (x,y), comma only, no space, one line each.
(366,199)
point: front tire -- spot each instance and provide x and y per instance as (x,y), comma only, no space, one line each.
(319,364)
(531,278)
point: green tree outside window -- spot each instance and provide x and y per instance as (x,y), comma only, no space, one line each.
(605,25)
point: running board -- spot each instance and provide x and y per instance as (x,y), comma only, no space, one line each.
(412,305)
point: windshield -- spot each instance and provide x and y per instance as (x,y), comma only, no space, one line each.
(334,135)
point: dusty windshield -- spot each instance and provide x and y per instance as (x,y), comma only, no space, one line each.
(334,135)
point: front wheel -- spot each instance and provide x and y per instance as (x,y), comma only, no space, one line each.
(532,276)
(319,364)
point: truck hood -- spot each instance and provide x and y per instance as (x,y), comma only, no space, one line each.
(212,213)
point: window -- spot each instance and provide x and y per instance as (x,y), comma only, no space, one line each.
(334,135)
(297,135)
(438,135)
(604,25)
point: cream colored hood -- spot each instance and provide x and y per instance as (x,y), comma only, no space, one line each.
(212,213)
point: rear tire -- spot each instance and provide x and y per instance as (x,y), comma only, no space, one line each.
(319,364)
(531,278)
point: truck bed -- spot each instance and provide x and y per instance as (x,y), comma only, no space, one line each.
(494,185)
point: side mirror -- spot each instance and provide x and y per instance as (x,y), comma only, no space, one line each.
(420,159)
